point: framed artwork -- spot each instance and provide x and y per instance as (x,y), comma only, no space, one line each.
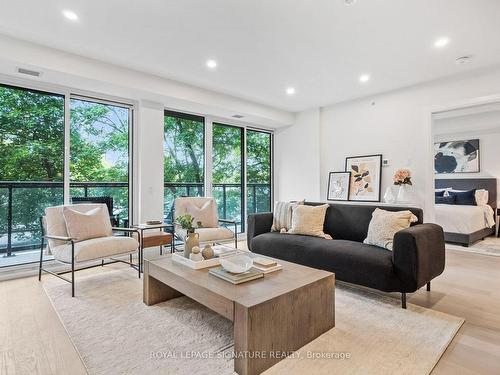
(338,186)
(366,177)
(457,157)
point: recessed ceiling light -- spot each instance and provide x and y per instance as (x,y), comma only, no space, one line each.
(290,91)
(364,78)
(70,15)
(211,64)
(349,2)
(441,42)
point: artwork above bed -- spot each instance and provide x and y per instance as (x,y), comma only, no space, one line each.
(457,156)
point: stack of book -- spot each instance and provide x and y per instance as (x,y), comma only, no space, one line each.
(266,265)
(236,278)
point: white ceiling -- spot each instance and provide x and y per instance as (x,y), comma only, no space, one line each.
(320,47)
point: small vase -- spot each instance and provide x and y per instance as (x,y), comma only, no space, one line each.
(404,194)
(389,195)
(192,240)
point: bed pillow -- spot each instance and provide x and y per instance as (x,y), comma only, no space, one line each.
(446,200)
(464,198)
(385,224)
(482,197)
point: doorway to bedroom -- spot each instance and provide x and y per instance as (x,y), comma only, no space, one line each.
(466,151)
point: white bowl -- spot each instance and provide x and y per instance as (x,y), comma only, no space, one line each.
(237,263)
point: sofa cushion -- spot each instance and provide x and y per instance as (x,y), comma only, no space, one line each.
(385,224)
(309,220)
(96,248)
(352,262)
(351,221)
(282,216)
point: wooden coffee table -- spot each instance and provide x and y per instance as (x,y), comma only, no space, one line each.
(272,316)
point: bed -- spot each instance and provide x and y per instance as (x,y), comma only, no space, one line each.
(466,225)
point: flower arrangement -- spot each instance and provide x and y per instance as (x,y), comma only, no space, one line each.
(186,222)
(402,177)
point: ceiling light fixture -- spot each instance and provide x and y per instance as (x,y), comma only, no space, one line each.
(290,91)
(211,64)
(364,78)
(441,42)
(349,2)
(70,15)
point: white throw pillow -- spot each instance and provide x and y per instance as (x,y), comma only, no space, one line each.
(83,226)
(309,220)
(385,224)
(282,216)
(207,214)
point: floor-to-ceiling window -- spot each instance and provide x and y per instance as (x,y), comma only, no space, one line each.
(100,154)
(184,158)
(228,172)
(31,167)
(232,155)
(259,171)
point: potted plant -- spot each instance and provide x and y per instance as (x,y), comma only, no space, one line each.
(192,238)
(402,178)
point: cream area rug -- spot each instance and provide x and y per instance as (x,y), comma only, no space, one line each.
(115,333)
(488,246)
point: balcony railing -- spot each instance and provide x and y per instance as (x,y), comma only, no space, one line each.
(22,204)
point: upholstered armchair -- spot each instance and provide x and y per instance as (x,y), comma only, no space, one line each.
(204,210)
(81,233)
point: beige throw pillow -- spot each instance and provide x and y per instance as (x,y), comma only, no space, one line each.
(385,224)
(86,225)
(282,216)
(309,220)
(207,214)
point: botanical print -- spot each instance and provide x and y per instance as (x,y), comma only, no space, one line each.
(338,186)
(456,156)
(365,177)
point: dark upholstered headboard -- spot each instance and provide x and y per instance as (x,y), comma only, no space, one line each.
(489,184)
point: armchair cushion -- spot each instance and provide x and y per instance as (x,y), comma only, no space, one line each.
(86,225)
(201,208)
(206,214)
(209,234)
(96,248)
(55,224)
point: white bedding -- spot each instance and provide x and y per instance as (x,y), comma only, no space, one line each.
(464,219)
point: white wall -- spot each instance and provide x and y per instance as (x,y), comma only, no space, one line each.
(397,125)
(484,126)
(297,158)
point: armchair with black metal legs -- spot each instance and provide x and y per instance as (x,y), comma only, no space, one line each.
(67,250)
(204,210)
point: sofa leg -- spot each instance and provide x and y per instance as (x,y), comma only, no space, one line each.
(403,300)
(429,286)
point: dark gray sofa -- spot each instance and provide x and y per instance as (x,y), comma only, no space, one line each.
(418,253)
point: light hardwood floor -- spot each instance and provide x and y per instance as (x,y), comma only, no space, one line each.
(33,341)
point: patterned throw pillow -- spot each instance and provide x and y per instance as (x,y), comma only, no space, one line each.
(385,224)
(282,216)
(309,220)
